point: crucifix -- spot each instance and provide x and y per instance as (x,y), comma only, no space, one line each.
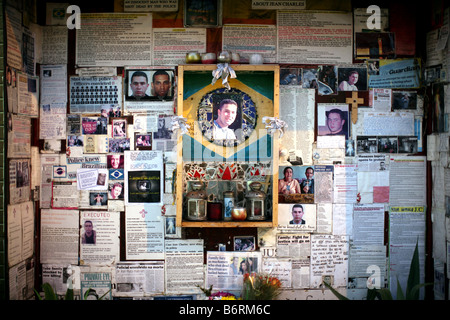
(354,101)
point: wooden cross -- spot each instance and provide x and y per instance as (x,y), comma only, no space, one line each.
(354,101)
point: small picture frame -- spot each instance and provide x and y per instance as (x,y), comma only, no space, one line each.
(244,243)
(119,128)
(206,13)
(152,84)
(142,141)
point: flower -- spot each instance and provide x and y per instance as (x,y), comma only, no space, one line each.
(259,286)
(222,296)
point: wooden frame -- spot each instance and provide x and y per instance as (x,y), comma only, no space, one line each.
(185,103)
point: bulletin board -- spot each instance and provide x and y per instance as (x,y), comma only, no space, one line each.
(248,157)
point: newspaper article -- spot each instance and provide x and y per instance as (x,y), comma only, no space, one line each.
(322,37)
(299,133)
(279,268)
(19,180)
(20,230)
(55,44)
(13,20)
(293,245)
(150,5)
(388,123)
(19,136)
(144,227)
(99,237)
(170,45)
(46,173)
(52,122)
(139,278)
(329,260)
(114,39)
(100,95)
(403,170)
(28,95)
(65,195)
(368,224)
(323,177)
(59,236)
(345,183)
(343,219)
(53,82)
(324,218)
(247,39)
(21,280)
(300,273)
(98,284)
(184,265)
(296,217)
(144,178)
(406,228)
(366,261)
(225,270)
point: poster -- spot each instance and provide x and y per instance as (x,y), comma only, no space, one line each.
(143,177)
(95,94)
(114,39)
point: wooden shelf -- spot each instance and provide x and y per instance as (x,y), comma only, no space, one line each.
(227,224)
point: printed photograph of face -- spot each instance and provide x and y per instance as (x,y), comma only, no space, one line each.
(333,120)
(227,117)
(153,84)
(297,216)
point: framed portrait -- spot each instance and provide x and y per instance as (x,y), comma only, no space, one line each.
(296,184)
(227,117)
(116,190)
(206,13)
(404,100)
(142,141)
(115,161)
(144,186)
(119,128)
(150,84)
(297,216)
(98,199)
(333,119)
(244,243)
(352,78)
(94,125)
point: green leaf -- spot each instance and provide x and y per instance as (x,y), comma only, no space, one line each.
(69,294)
(400,295)
(37,294)
(385,294)
(101,298)
(86,294)
(337,294)
(49,294)
(372,294)
(414,276)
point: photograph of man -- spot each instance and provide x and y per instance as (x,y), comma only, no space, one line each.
(337,122)
(352,79)
(350,83)
(139,85)
(307,185)
(161,85)
(116,191)
(89,235)
(115,161)
(288,185)
(297,214)
(226,115)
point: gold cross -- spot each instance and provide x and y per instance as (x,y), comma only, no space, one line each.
(354,101)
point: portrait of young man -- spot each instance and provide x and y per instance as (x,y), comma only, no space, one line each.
(226,119)
(150,85)
(333,121)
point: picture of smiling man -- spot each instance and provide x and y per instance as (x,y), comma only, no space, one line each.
(226,115)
